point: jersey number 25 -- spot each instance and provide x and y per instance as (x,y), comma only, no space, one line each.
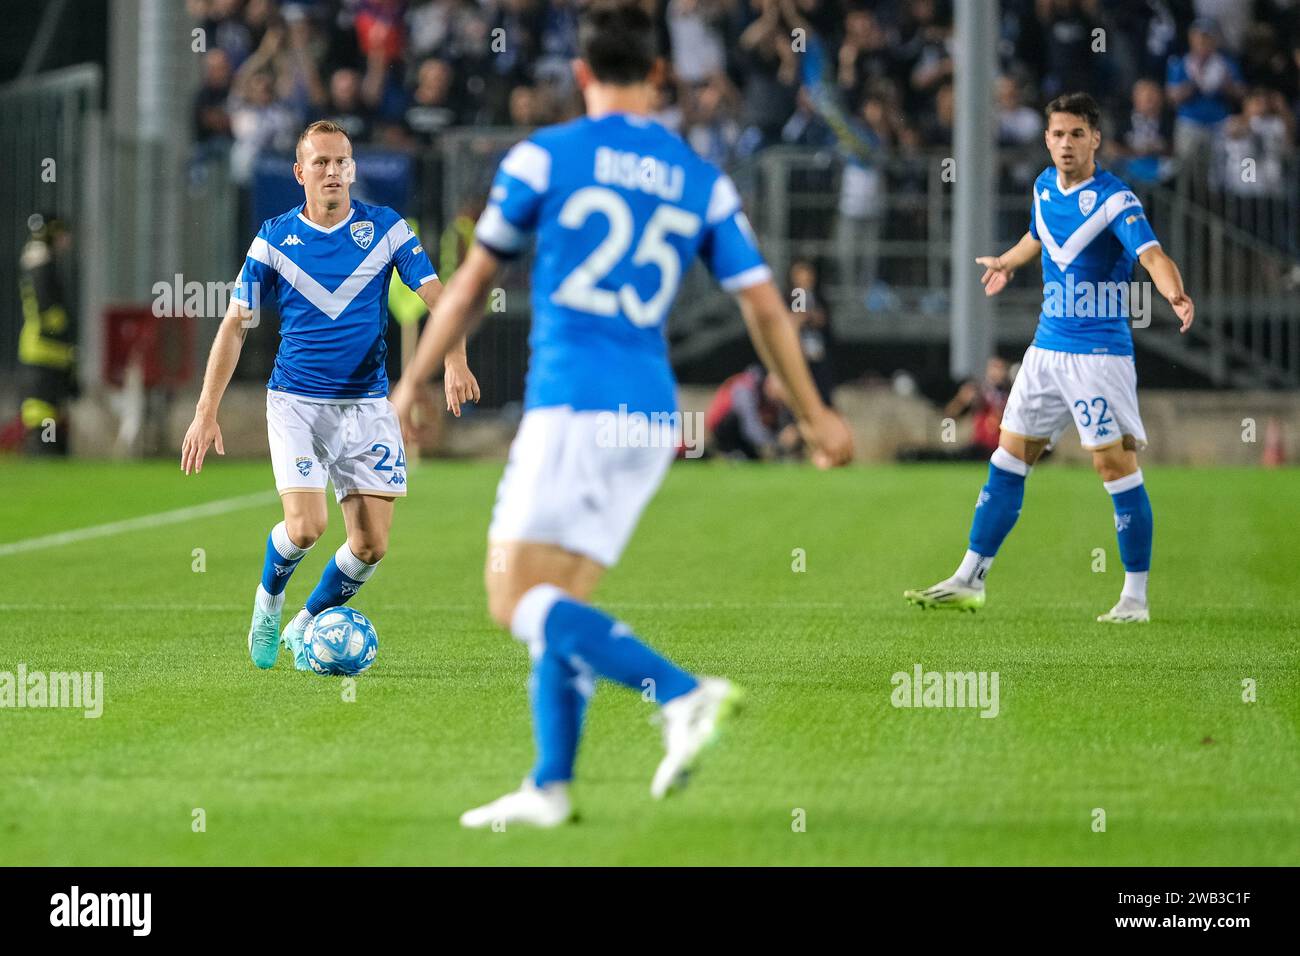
(579,290)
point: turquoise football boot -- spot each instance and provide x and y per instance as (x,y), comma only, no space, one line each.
(292,639)
(264,638)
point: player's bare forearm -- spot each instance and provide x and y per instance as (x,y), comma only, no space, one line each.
(1021,254)
(772,330)
(222,359)
(454,315)
(1169,283)
(1163,271)
(431,292)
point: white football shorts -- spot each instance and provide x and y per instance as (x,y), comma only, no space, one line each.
(1097,392)
(356,446)
(579,480)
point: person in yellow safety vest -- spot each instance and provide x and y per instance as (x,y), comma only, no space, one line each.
(47,341)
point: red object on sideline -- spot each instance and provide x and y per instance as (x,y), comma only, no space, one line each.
(164,345)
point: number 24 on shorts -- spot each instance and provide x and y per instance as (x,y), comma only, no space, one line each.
(382,464)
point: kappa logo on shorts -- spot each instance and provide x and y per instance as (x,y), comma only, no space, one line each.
(304,466)
(397,479)
(1103,431)
(363,233)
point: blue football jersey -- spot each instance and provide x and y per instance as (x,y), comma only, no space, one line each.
(620,207)
(331,289)
(1092,233)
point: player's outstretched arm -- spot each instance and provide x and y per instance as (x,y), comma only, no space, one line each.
(1169,283)
(998,270)
(455,313)
(772,330)
(223,358)
(458,381)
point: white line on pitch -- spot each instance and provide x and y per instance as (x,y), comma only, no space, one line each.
(425,608)
(176,516)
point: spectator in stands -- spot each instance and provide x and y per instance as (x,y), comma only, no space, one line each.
(711,127)
(300,78)
(1253,150)
(223,28)
(984,401)
(865,57)
(258,122)
(861,204)
(695,30)
(346,107)
(1142,146)
(1203,86)
(924,53)
(1018,124)
(1068,37)
(815,336)
(431,110)
(937,131)
(771,78)
(748,418)
(211,118)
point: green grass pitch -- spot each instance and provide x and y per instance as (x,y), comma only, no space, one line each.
(1147,723)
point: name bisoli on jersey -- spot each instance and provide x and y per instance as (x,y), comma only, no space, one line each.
(645,173)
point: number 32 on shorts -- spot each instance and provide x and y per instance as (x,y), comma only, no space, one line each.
(1087,408)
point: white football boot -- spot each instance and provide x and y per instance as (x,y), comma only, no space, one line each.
(952,594)
(690,723)
(1127,611)
(531,805)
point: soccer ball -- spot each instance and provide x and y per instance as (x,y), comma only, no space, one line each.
(340,641)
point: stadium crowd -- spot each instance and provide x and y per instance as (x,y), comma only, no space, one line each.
(1181,75)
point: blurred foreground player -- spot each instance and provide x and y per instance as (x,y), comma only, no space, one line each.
(621,207)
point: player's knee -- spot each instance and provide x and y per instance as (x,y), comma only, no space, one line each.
(1109,468)
(368,552)
(501,606)
(304,530)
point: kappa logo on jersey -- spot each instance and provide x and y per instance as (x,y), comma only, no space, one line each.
(292,240)
(1087,201)
(1045,196)
(304,466)
(363,233)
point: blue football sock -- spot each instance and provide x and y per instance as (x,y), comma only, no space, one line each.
(1133,521)
(999,503)
(559,693)
(571,644)
(340,580)
(282,556)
